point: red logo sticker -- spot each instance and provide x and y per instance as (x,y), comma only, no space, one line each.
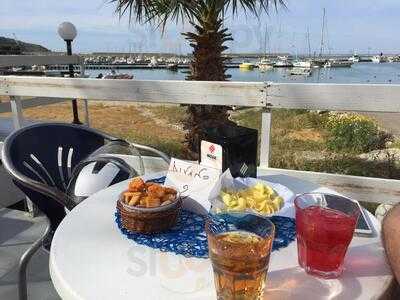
(211,148)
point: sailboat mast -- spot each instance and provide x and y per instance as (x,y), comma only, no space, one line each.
(322,33)
(308,41)
(266,40)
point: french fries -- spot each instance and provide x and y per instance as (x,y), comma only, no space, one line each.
(261,198)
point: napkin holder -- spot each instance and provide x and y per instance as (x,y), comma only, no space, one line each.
(230,147)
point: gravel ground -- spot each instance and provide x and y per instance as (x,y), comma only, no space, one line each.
(388,121)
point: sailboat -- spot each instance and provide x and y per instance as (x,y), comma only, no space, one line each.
(283,62)
(303,67)
(265,64)
(320,61)
(330,63)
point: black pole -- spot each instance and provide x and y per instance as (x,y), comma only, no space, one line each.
(71,75)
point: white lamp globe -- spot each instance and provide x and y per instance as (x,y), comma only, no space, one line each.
(67,31)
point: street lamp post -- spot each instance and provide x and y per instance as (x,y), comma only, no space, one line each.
(68,33)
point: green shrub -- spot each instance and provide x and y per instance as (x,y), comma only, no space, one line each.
(354,133)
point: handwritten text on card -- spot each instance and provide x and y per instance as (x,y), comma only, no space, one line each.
(193,181)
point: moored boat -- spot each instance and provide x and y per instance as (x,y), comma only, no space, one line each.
(246,66)
(332,63)
(153,63)
(265,67)
(305,64)
(301,71)
(354,59)
(283,62)
(378,59)
(114,75)
(265,64)
(318,62)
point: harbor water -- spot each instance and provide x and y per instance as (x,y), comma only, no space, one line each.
(383,73)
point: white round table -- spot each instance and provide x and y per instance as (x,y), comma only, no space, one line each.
(91,259)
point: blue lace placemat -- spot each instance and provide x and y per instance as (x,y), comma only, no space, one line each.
(189,239)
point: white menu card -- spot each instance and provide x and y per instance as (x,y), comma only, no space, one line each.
(194,182)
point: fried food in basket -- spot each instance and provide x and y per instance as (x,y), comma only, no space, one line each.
(148,194)
(132,198)
(156,191)
(152,202)
(137,185)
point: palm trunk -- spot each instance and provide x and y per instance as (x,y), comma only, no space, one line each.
(207,65)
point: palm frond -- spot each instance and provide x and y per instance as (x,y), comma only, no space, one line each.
(160,11)
(254,6)
(155,11)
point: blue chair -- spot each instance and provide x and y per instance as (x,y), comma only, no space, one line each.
(40,159)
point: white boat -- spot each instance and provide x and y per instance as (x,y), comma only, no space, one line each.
(265,67)
(301,71)
(283,62)
(130,61)
(140,59)
(76,75)
(332,63)
(396,58)
(305,64)
(153,62)
(377,59)
(354,59)
(114,75)
(265,64)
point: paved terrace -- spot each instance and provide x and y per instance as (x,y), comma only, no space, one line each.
(17,232)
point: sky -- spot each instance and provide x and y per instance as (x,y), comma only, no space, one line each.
(352,25)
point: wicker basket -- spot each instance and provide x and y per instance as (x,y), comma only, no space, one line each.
(149,220)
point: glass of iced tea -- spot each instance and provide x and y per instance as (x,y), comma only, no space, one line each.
(325,226)
(240,246)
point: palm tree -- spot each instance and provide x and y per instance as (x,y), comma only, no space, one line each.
(207,40)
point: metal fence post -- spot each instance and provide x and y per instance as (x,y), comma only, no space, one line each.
(87,120)
(265,147)
(18,121)
(17,114)
(85,101)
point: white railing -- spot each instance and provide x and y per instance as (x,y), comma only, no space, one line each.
(37,60)
(341,97)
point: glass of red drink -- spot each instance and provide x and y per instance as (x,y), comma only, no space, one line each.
(325,225)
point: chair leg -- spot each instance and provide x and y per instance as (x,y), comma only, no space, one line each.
(24,260)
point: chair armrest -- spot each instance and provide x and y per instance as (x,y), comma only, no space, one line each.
(159,153)
(111,138)
(49,191)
